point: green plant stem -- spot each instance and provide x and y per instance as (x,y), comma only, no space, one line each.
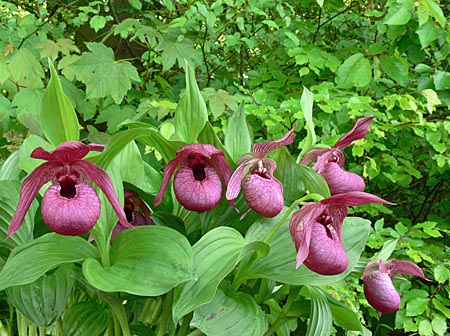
(196,332)
(183,330)
(293,293)
(166,313)
(119,313)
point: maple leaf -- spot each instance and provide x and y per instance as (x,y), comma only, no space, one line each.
(102,74)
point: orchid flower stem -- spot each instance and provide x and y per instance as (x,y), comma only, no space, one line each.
(196,332)
(293,293)
(281,221)
(119,313)
(166,313)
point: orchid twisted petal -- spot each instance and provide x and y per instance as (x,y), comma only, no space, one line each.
(70,206)
(261,190)
(197,182)
(329,162)
(378,288)
(316,230)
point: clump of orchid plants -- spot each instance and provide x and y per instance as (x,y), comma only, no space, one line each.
(316,230)
(378,287)
(70,206)
(261,190)
(329,162)
(197,182)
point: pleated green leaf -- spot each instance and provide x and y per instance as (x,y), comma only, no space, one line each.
(320,322)
(58,118)
(146,261)
(86,318)
(215,256)
(9,198)
(306,102)
(279,264)
(343,315)
(191,113)
(30,261)
(230,315)
(43,301)
(237,137)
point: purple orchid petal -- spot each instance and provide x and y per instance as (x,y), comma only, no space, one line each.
(358,131)
(332,155)
(168,172)
(261,149)
(407,268)
(103,181)
(30,187)
(301,226)
(352,199)
(326,252)
(197,195)
(223,168)
(312,155)
(264,194)
(71,216)
(340,181)
(380,292)
(234,184)
(66,152)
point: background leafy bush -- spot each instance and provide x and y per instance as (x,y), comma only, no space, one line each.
(122,60)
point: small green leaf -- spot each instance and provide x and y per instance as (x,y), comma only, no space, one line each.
(237,137)
(417,306)
(97,22)
(86,318)
(399,13)
(215,256)
(135,4)
(28,107)
(230,315)
(387,249)
(18,269)
(441,273)
(191,113)
(43,301)
(343,315)
(173,51)
(355,71)
(396,67)
(436,11)
(26,69)
(147,260)
(58,118)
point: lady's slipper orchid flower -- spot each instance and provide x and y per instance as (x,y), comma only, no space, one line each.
(70,206)
(378,288)
(330,161)
(196,184)
(136,210)
(261,190)
(316,230)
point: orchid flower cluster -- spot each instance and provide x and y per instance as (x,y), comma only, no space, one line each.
(71,206)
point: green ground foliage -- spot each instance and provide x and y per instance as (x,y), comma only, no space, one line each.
(122,62)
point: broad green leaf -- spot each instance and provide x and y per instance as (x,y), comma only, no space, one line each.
(396,67)
(215,256)
(441,273)
(320,322)
(307,108)
(191,114)
(237,136)
(9,198)
(58,118)
(217,100)
(27,163)
(313,181)
(178,51)
(46,252)
(343,315)
(86,318)
(417,306)
(355,71)
(4,71)
(208,136)
(279,264)
(28,106)
(427,33)
(5,108)
(399,13)
(441,80)
(115,116)
(43,301)
(103,75)
(25,69)
(230,315)
(148,261)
